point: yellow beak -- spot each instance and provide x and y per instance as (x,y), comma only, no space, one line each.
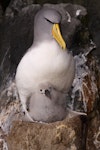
(57,35)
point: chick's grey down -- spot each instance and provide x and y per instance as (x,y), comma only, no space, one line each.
(46,61)
(51,106)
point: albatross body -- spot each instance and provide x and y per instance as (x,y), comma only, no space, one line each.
(47,60)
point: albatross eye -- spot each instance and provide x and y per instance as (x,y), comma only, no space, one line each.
(48,20)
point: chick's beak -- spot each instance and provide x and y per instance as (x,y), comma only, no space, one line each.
(57,36)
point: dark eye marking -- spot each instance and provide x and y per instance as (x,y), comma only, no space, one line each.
(48,20)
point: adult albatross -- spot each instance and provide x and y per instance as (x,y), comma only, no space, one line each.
(47,62)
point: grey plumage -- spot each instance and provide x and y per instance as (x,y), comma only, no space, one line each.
(47,104)
(43,22)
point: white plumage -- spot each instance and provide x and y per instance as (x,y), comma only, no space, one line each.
(44,62)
